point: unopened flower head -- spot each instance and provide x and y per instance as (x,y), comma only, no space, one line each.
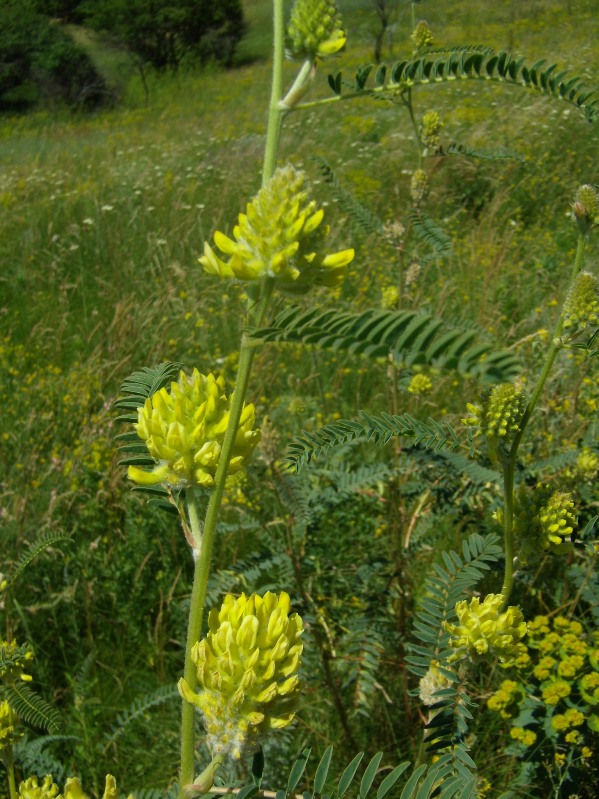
(483,628)
(434,680)
(184,430)
(14,662)
(499,414)
(581,308)
(421,36)
(281,236)
(585,210)
(419,187)
(587,464)
(315,29)
(247,671)
(430,129)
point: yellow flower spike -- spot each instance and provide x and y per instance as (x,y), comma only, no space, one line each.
(422,36)
(498,415)
(484,629)
(31,789)
(247,671)
(315,29)
(281,236)
(184,430)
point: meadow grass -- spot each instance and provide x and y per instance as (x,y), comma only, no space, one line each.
(102,219)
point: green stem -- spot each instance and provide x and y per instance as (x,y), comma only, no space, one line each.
(275,112)
(509,467)
(204,558)
(10,770)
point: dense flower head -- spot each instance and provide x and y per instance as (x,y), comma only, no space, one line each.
(14,662)
(422,36)
(281,236)
(430,129)
(184,429)
(315,29)
(484,628)
(581,308)
(498,415)
(247,671)
(544,520)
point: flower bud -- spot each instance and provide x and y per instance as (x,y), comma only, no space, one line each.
(280,236)
(8,719)
(581,307)
(430,128)
(419,187)
(184,429)
(421,36)
(585,210)
(247,671)
(498,416)
(484,629)
(315,29)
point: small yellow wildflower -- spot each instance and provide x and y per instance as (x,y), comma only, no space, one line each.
(483,628)
(555,690)
(315,29)
(420,384)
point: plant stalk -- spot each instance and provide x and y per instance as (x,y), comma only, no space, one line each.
(509,467)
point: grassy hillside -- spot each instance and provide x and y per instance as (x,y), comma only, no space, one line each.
(102,220)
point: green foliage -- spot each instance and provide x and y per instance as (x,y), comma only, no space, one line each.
(34,710)
(439,780)
(411,337)
(378,429)
(39,61)
(463,64)
(35,549)
(163,33)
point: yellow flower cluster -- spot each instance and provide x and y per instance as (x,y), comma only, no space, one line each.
(31,788)
(280,236)
(8,719)
(184,429)
(419,187)
(544,520)
(315,29)
(505,700)
(247,671)
(15,660)
(563,679)
(523,736)
(420,384)
(484,628)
